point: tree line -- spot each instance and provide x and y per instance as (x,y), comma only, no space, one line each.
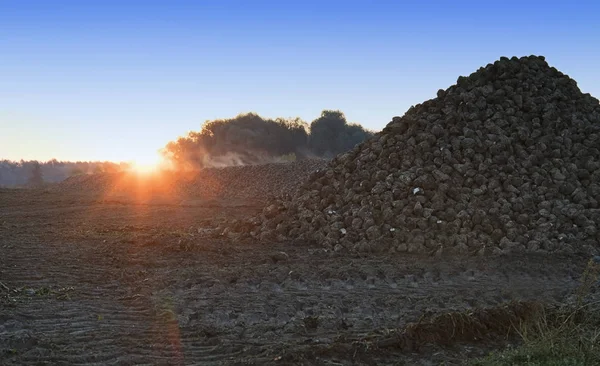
(245,139)
(36,173)
(252,139)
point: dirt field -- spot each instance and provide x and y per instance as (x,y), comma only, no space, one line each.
(85,281)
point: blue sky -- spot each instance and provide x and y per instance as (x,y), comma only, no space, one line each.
(116,80)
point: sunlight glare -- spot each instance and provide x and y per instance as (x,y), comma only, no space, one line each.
(146,164)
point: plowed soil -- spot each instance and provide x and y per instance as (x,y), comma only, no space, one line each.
(87,281)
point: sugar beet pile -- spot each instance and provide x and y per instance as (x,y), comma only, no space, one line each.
(505,160)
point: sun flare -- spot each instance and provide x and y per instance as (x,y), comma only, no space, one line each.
(146,164)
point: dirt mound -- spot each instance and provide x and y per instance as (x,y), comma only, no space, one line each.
(247,182)
(505,160)
(253,181)
(90,183)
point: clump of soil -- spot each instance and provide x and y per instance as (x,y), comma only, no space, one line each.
(505,160)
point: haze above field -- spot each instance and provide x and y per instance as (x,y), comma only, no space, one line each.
(114,80)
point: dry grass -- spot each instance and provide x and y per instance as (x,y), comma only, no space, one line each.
(568,336)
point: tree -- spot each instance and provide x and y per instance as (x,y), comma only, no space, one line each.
(247,139)
(330,134)
(36,178)
(251,139)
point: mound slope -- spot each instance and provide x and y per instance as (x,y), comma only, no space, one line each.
(506,160)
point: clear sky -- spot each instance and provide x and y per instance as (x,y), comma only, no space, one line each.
(116,80)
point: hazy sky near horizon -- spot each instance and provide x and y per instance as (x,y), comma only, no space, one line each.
(116,80)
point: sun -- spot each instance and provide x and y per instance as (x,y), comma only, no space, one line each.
(146,164)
